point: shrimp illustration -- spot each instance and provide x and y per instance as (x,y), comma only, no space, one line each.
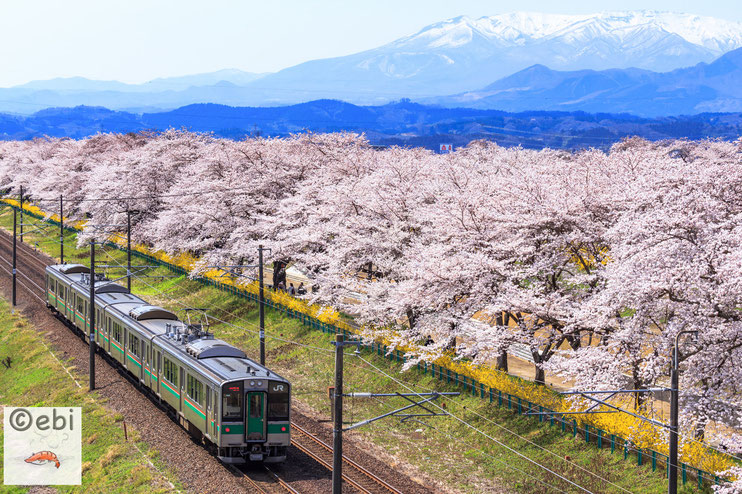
(43,457)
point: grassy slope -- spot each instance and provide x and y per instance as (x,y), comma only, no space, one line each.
(110,464)
(442,448)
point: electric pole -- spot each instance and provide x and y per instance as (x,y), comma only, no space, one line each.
(337,433)
(20,200)
(61,230)
(672,484)
(15,225)
(261,304)
(92,316)
(128,250)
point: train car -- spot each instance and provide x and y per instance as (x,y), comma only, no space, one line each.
(240,408)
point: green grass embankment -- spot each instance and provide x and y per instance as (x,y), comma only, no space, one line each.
(37,378)
(442,448)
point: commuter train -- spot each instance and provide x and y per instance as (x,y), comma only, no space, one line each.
(239,408)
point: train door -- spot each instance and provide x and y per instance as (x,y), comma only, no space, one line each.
(98,327)
(212,404)
(182,389)
(255,416)
(108,335)
(158,373)
(142,354)
(148,368)
(207,389)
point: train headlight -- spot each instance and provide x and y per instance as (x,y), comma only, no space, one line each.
(252,383)
(260,383)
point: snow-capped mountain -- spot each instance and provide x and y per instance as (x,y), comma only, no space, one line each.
(450,57)
(463,53)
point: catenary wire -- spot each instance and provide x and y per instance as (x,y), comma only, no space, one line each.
(462,421)
(330,351)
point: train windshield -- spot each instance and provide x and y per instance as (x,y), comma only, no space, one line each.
(278,401)
(232,407)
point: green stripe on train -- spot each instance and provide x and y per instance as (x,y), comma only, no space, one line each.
(194,408)
(174,393)
(132,359)
(233,428)
(276,428)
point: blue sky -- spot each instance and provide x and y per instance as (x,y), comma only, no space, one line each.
(138,40)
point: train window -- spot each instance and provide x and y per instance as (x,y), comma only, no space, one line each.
(256,410)
(116,332)
(170,371)
(232,395)
(134,345)
(195,389)
(278,401)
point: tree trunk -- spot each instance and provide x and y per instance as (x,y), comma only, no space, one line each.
(641,398)
(411,317)
(502,361)
(539,358)
(699,429)
(540,375)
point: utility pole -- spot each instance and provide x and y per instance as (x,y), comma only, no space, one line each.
(15,225)
(92,316)
(61,230)
(261,304)
(672,485)
(20,200)
(337,433)
(128,250)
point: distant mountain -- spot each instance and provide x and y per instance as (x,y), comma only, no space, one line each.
(713,87)
(463,54)
(401,123)
(223,86)
(449,57)
(81,84)
(231,76)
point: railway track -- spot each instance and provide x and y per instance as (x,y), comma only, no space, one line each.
(265,482)
(30,273)
(31,278)
(356,475)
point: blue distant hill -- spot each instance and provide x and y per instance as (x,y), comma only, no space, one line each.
(705,87)
(399,123)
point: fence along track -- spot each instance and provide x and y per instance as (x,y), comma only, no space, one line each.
(323,456)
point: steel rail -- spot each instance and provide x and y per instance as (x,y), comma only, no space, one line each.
(326,447)
(279,480)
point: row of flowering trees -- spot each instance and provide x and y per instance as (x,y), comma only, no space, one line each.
(592,260)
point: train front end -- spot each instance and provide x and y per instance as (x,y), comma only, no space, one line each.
(255,420)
